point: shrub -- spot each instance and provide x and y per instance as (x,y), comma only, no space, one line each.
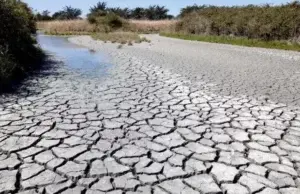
(110,22)
(263,22)
(18,52)
(195,24)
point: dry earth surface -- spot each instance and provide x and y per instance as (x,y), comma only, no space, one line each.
(147,129)
(233,70)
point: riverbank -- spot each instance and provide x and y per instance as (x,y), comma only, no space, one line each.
(230,70)
(19,54)
(240,41)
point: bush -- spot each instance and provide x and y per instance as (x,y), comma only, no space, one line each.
(194,24)
(262,22)
(18,52)
(110,22)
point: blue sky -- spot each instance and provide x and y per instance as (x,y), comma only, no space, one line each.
(173,5)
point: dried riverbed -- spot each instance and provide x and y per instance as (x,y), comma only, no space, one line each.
(141,128)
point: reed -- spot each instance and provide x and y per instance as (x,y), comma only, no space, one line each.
(76,27)
(66,27)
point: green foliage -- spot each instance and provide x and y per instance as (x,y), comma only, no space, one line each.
(99,10)
(156,12)
(261,22)
(100,6)
(275,44)
(110,22)
(68,13)
(190,9)
(18,52)
(44,16)
(123,13)
(113,21)
(138,13)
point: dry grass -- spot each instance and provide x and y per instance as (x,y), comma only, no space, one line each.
(147,26)
(66,27)
(76,27)
(120,37)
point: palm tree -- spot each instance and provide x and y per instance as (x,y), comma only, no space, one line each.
(138,13)
(100,6)
(68,13)
(156,12)
(124,13)
(161,12)
(99,10)
(72,13)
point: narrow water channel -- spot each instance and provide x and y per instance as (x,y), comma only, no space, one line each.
(75,58)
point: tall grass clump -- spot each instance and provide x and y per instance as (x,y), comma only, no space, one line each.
(265,22)
(120,37)
(18,52)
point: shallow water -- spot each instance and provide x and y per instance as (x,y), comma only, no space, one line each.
(74,57)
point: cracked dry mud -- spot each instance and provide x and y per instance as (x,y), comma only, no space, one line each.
(143,130)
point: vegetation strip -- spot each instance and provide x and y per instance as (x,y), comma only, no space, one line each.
(18,51)
(283,45)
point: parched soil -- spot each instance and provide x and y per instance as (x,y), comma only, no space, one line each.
(152,127)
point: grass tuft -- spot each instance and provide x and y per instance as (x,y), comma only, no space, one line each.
(119,37)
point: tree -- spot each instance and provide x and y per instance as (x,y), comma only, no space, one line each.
(161,12)
(100,6)
(68,13)
(44,16)
(59,15)
(138,13)
(72,13)
(99,10)
(124,13)
(156,12)
(189,9)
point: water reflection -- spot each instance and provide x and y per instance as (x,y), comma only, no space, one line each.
(74,57)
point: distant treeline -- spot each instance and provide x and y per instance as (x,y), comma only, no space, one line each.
(265,22)
(153,12)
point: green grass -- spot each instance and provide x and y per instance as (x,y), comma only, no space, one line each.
(283,45)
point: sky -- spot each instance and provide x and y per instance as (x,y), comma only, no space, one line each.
(173,5)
